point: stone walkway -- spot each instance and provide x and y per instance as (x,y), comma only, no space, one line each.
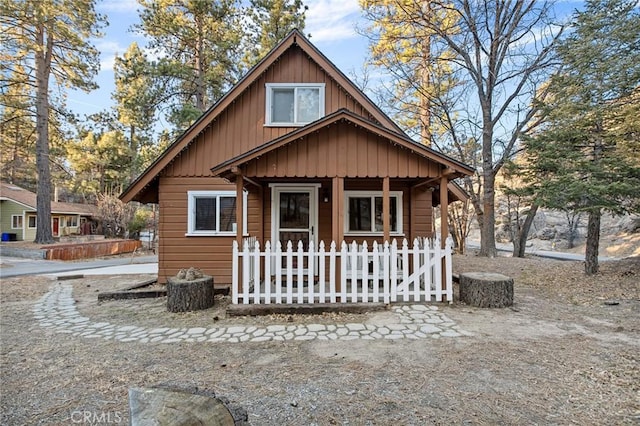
(57,310)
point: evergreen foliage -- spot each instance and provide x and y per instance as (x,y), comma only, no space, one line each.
(585,159)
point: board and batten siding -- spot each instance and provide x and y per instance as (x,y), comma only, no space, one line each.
(240,127)
(341,150)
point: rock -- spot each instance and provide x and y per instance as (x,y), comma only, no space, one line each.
(631,224)
(547,233)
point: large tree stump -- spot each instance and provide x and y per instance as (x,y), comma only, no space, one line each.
(486,290)
(158,406)
(194,295)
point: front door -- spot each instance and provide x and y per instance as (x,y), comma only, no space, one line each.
(56,226)
(295,215)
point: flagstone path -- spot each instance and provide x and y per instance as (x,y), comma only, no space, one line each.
(57,310)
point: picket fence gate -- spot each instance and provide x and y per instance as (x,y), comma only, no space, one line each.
(351,274)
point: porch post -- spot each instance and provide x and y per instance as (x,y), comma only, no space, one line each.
(240,224)
(444,226)
(239,209)
(337,221)
(444,210)
(386,209)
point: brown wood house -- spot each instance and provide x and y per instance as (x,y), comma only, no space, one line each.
(313,157)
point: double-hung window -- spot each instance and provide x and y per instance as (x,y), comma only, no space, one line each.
(72,221)
(31,221)
(364,212)
(294,104)
(213,213)
(16,221)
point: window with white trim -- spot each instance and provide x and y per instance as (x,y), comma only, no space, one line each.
(294,104)
(72,221)
(16,221)
(213,213)
(364,212)
(31,221)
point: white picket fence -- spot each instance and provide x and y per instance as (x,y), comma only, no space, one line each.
(380,273)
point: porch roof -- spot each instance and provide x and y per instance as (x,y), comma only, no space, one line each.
(448,166)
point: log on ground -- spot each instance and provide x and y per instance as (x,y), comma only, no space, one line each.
(183,296)
(486,290)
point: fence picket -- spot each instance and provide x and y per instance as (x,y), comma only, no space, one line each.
(332,272)
(234,274)
(278,267)
(375,278)
(289,266)
(413,273)
(310,273)
(437,269)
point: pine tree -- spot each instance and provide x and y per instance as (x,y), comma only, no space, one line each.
(49,39)
(136,95)
(269,22)
(197,42)
(588,151)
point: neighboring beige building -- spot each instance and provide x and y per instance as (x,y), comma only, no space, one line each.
(18,215)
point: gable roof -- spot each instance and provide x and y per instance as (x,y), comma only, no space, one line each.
(457,168)
(147,180)
(29,200)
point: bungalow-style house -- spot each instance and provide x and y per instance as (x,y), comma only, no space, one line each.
(313,158)
(18,215)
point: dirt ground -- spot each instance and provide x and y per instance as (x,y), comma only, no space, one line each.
(568,352)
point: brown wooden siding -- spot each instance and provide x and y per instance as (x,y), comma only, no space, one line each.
(241,128)
(175,250)
(342,150)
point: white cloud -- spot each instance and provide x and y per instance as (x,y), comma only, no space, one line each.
(331,20)
(108,49)
(119,6)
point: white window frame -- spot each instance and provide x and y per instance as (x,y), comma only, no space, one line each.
(35,221)
(373,195)
(70,221)
(14,218)
(269,89)
(191,210)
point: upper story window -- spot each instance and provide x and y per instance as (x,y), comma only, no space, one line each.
(294,104)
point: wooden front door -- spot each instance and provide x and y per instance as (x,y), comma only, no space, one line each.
(56,226)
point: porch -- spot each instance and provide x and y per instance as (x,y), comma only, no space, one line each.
(350,273)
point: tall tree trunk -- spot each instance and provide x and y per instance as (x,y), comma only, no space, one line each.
(487,230)
(44,234)
(593,243)
(520,243)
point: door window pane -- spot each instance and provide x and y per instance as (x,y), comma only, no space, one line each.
(294,210)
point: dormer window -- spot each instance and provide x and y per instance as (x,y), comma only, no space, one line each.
(291,105)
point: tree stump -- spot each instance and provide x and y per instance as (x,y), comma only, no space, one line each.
(194,295)
(486,290)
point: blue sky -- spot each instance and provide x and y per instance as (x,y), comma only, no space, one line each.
(331,23)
